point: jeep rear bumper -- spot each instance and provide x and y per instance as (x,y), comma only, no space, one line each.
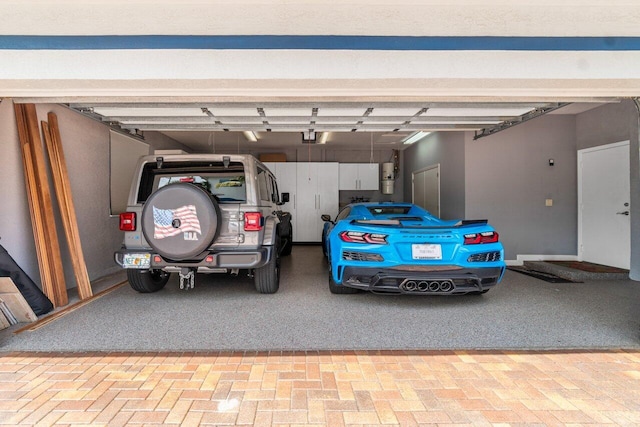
(209,262)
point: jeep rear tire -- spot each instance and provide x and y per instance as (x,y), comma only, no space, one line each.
(288,246)
(147,281)
(267,278)
(180,221)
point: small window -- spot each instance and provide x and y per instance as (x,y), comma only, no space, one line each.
(275,196)
(343,214)
(263,185)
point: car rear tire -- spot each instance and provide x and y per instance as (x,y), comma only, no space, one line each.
(147,281)
(267,278)
(180,221)
(324,246)
(336,288)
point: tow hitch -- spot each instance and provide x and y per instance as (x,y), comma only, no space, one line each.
(187,278)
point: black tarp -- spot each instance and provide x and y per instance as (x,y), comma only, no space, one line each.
(38,301)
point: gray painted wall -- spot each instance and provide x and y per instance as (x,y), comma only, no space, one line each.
(447,149)
(508,179)
(86,148)
(604,125)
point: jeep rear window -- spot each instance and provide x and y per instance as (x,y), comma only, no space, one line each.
(226,184)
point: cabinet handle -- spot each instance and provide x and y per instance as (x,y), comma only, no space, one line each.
(294,201)
(318,201)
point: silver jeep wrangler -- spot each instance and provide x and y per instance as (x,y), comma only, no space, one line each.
(203,213)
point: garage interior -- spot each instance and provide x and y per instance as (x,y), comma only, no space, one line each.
(508,129)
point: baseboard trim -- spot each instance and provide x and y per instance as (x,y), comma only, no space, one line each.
(520,259)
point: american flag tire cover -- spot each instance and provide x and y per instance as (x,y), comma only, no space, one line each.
(180,221)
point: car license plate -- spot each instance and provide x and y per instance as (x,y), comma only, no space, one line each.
(136,261)
(426,251)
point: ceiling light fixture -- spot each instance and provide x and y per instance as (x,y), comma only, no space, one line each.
(250,135)
(416,136)
(323,138)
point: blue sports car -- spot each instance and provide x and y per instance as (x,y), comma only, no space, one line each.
(402,248)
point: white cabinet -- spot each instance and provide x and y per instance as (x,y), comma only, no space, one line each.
(316,194)
(286,177)
(359,176)
(313,191)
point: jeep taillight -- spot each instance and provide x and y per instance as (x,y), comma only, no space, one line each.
(360,237)
(478,238)
(253,221)
(128,221)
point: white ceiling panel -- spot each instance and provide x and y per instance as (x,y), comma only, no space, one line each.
(477,111)
(148,112)
(273,112)
(346,112)
(289,120)
(404,112)
(234,111)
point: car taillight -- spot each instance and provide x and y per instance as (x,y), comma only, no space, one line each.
(478,238)
(252,221)
(360,237)
(128,221)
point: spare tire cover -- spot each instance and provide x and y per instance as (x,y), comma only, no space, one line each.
(180,221)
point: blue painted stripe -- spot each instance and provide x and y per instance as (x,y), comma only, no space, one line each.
(258,42)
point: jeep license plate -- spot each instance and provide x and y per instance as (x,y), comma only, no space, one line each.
(136,261)
(426,251)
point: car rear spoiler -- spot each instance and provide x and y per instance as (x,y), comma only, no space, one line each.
(398,223)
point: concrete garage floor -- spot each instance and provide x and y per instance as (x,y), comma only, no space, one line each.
(225,313)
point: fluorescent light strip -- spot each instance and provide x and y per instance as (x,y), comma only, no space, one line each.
(323,138)
(250,135)
(416,136)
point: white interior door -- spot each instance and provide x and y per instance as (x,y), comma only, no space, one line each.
(603,199)
(426,189)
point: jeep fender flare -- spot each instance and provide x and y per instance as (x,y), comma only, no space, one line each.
(270,230)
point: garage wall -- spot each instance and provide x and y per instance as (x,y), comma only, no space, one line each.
(508,178)
(86,147)
(604,125)
(447,149)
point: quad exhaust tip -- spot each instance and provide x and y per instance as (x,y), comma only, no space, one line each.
(423,286)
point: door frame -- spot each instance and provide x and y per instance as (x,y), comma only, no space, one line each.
(580,157)
(413,187)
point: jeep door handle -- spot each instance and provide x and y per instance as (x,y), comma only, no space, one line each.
(623,213)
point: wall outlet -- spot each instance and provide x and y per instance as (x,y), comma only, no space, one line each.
(548,202)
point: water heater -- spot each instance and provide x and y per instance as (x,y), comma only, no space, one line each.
(388,178)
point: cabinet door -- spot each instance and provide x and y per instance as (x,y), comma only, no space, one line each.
(348,176)
(286,174)
(307,210)
(272,167)
(328,195)
(368,176)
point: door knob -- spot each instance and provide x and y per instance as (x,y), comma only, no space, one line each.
(623,213)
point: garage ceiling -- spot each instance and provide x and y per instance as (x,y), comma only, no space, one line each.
(206,126)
